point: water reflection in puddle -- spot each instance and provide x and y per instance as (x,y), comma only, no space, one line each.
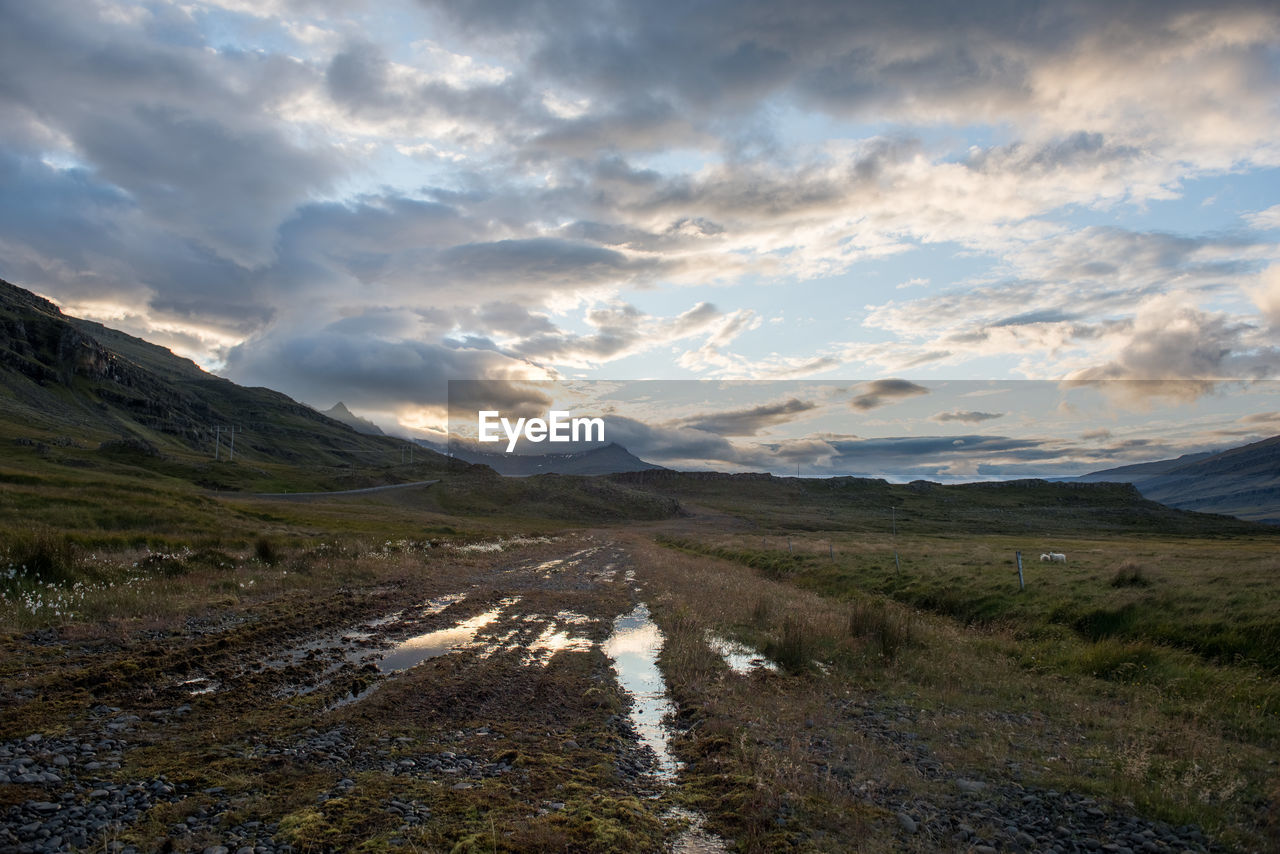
(634,647)
(695,839)
(741,658)
(420,648)
(201,685)
(550,642)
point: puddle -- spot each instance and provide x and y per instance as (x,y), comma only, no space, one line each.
(634,647)
(550,642)
(201,685)
(741,658)
(415,650)
(500,544)
(695,839)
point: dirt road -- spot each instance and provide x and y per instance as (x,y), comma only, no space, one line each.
(501,696)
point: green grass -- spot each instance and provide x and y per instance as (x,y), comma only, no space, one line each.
(1181,593)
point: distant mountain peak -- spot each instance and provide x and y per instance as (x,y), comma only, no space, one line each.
(605,459)
(340,412)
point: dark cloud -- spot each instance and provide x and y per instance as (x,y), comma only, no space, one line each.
(749,422)
(667,443)
(849,58)
(965,416)
(188,134)
(883,392)
(534,262)
(512,399)
(368,372)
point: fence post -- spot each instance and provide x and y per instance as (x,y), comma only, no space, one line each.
(1021,584)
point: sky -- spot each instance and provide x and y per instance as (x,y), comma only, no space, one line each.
(361,201)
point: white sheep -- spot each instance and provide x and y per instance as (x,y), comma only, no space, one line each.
(1053,557)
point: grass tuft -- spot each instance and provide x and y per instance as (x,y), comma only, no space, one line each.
(40,554)
(794,649)
(1130,574)
(889,630)
(266,551)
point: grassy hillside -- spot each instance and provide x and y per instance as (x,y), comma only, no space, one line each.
(873,506)
(1243,482)
(76,385)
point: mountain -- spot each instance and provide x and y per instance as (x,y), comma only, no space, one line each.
(1139,471)
(339,412)
(1242,482)
(608,459)
(75,384)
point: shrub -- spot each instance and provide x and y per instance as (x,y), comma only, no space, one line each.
(42,555)
(794,648)
(266,551)
(887,630)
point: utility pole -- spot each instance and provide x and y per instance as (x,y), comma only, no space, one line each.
(232,457)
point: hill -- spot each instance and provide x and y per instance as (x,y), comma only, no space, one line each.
(1242,482)
(609,459)
(852,504)
(76,383)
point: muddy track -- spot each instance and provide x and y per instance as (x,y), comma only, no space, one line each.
(389,714)
(509,701)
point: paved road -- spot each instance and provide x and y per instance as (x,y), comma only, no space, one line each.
(365,491)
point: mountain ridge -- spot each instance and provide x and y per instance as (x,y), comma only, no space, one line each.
(1243,481)
(76,380)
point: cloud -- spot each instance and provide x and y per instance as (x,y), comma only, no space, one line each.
(1261,418)
(965,416)
(1267,295)
(1173,350)
(667,443)
(879,393)
(749,422)
(1265,219)
(500,186)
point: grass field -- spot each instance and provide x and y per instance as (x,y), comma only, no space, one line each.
(1143,673)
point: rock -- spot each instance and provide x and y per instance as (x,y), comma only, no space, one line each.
(217,849)
(970,785)
(908,823)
